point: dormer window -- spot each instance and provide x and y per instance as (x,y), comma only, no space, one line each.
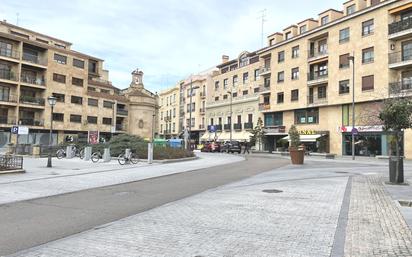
(288,35)
(324,20)
(303,29)
(350,9)
(243,61)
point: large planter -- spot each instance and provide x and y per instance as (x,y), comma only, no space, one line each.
(297,155)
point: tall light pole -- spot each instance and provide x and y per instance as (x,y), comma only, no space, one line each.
(352,58)
(153,126)
(190,111)
(52,101)
(230,120)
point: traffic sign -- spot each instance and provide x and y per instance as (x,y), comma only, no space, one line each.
(355,131)
(15,129)
(212,128)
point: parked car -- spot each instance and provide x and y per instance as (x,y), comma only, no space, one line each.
(231,147)
(211,147)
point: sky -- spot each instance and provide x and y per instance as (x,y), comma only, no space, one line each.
(167,39)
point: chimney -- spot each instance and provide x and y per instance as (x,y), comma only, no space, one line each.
(225,58)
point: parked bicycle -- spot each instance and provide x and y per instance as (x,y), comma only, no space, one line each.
(96,156)
(61,153)
(129,158)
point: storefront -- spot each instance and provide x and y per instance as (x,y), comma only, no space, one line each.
(314,141)
(273,136)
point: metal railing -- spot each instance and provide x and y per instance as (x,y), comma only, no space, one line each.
(400,26)
(31,122)
(33,58)
(317,75)
(202,94)
(218,127)
(32,100)
(11,162)
(264,70)
(317,53)
(399,87)
(202,110)
(201,126)
(8,98)
(316,99)
(248,125)
(7,120)
(401,56)
(227,126)
(122,112)
(264,88)
(237,126)
(9,53)
(264,106)
(8,74)
(33,80)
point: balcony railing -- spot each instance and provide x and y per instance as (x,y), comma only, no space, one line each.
(218,127)
(265,70)
(317,75)
(264,88)
(31,122)
(120,127)
(7,120)
(248,125)
(8,98)
(122,112)
(7,74)
(317,53)
(9,53)
(202,94)
(28,57)
(227,127)
(264,106)
(400,87)
(401,56)
(237,126)
(32,100)
(316,99)
(202,110)
(33,80)
(400,26)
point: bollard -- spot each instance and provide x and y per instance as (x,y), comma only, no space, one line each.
(150,153)
(106,155)
(87,153)
(127,152)
(69,152)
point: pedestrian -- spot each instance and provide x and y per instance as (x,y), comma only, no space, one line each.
(247,146)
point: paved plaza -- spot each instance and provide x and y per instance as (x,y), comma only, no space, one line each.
(324,208)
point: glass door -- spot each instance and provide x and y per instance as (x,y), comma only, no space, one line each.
(407,51)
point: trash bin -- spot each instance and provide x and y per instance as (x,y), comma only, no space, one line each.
(392,170)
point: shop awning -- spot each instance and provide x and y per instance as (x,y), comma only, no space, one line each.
(306,138)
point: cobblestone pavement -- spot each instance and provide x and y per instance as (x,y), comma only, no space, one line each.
(375,225)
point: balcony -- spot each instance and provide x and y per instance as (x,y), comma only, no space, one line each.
(218,127)
(264,106)
(400,29)
(8,75)
(202,127)
(8,98)
(314,55)
(122,112)
(401,59)
(264,89)
(34,59)
(227,127)
(237,126)
(8,53)
(32,100)
(202,110)
(315,100)
(317,77)
(264,71)
(400,88)
(7,120)
(248,125)
(120,127)
(31,122)
(202,95)
(32,80)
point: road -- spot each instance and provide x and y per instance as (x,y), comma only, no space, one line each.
(34,222)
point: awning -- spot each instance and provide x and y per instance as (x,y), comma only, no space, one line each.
(237,136)
(306,138)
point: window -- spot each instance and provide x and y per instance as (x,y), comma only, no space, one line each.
(224,83)
(6,49)
(191,109)
(107,121)
(273,119)
(93,102)
(234,95)
(211,121)
(92,66)
(367,27)
(295,73)
(216,98)
(245,77)
(295,52)
(256,73)
(344,35)
(245,92)
(91,89)
(76,100)
(281,76)
(280,98)
(271,41)
(288,35)
(78,63)
(322,92)
(294,95)
(303,29)
(60,58)
(59,97)
(281,56)
(108,104)
(105,91)
(368,55)
(92,119)
(256,90)
(250,118)
(344,87)
(323,46)
(344,61)
(375,2)
(174,112)
(216,85)
(75,118)
(224,97)
(324,20)
(59,78)
(350,9)
(235,80)
(307,116)
(77,82)
(368,83)
(58,116)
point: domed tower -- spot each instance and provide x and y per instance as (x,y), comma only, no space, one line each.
(143,108)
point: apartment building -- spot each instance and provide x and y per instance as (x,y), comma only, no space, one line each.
(311,68)
(34,66)
(232,107)
(169,113)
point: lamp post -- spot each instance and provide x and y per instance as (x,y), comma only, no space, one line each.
(153,126)
(52,101)
(352,59)
(190,110)
(230,120)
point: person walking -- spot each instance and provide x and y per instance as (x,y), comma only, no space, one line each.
(247,146)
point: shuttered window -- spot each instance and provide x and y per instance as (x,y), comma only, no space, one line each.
(368,83)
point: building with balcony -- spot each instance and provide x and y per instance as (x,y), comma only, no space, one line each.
(34,66)
(169,113)
(311,67)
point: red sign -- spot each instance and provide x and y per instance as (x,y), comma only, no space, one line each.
(93,137)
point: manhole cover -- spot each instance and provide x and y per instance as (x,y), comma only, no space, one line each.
(272,191)
(405,203)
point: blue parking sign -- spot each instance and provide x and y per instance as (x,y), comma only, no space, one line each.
(15,129)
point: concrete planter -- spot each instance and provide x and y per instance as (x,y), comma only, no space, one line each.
(297,155)
(36,151)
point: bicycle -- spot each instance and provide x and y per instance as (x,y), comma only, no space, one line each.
(130,158)
(61,153)
(96,156)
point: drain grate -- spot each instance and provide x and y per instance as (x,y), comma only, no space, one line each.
(272,191)
(405,203)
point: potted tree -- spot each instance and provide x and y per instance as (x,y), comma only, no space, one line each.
(297,154)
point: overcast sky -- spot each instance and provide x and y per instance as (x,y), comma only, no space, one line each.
(167,39)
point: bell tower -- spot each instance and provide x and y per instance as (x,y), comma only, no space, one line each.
(137,79)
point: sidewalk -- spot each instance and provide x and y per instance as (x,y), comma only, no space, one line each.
(75,175)
(320,209)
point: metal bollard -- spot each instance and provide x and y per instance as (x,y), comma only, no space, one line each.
(150,153)
(87,153)
(106,155)
(69,152)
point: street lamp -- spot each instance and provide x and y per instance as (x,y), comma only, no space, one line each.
(190,110)
(352,59)
(52,102)
(153,126)
(230,120)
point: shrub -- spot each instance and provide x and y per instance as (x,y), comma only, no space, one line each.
(294,136)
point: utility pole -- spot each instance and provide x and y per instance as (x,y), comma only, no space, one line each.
(190,111)
(352,58)
(262,18)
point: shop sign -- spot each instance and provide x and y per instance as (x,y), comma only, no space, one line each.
(93,137)
(23,130)
(308,132)
(275,130)
(373,128)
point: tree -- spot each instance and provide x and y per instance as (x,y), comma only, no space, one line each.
(294,137)
(396,115)
(257,134)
